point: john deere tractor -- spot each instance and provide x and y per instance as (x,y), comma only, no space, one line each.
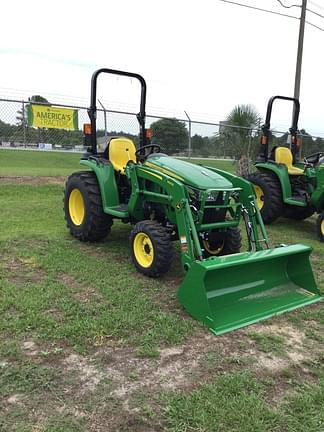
(284,186)
(165,200)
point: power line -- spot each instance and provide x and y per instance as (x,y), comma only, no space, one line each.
(259,9)
(316,13)
(316,5)
(313,25)
(287,7)
(271,12)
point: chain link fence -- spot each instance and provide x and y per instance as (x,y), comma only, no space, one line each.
(182,137)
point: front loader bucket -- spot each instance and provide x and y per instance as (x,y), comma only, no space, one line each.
(233,291)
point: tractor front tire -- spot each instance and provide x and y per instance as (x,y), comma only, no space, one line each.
(222,243)
(268,195)
(83,210)
(320,226)
(151,248)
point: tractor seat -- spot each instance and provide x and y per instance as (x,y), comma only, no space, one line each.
(121,150)
(284,156)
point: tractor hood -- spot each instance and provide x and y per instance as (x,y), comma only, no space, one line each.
(191,174)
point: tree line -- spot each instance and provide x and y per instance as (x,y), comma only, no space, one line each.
(237,136)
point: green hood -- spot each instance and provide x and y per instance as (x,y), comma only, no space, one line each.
(191,174)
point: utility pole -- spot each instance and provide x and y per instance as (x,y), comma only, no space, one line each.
(300,49)
(299,60)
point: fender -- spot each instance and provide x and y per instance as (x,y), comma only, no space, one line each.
(281,172)
(107,183)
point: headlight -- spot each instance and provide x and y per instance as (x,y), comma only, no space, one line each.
(212,195)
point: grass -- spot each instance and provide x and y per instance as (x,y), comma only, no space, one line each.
(37,163)
(87,342)
(42,163)
(238,402)
(38,240)
(268,342)
(226,165)
(233,402)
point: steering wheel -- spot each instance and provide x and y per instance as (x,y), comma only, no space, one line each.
(314,158)
(148,150)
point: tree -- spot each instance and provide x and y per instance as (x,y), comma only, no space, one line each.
(201,146)
(171,134)
(308,144)
(319,142)
(246,119)
(22,115)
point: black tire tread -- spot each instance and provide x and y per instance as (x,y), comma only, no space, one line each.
(273,204)
(233,241)
(163,250)
(98,223)
(319,221)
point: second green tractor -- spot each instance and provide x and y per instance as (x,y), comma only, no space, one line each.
(284,186)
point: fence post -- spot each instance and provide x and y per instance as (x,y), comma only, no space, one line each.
(189,138)
(24,122)
(105,118)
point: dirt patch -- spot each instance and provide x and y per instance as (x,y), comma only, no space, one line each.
(22,270)
(272,363)
(121,385)
(30,348)
(293,337)
(89,375)
(32,180)
(15,399)
(295,351)
(198,360)
(179,367)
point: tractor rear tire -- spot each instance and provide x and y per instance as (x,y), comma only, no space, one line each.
(83,209)
(151,248)
(298,213)
(320,226)
(269,196)
(227,243)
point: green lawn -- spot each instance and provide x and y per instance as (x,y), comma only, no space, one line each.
(88,344)
(226,165)
(44,163)
(37,163)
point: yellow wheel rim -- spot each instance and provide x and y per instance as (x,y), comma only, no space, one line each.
(210,250)
(322,227)
(143,250)
(76,207)
(259,196)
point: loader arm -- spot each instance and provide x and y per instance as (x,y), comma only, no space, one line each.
(171,193)
(250,211)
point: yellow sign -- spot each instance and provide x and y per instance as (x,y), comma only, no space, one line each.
(46,116)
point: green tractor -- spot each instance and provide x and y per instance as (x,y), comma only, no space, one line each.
(284,186)
(166,199)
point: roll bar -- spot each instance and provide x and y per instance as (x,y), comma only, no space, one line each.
(264,142)
(92,110)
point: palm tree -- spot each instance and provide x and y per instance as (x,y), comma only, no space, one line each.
(244,120)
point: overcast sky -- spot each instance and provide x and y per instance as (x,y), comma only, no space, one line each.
(203,56)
